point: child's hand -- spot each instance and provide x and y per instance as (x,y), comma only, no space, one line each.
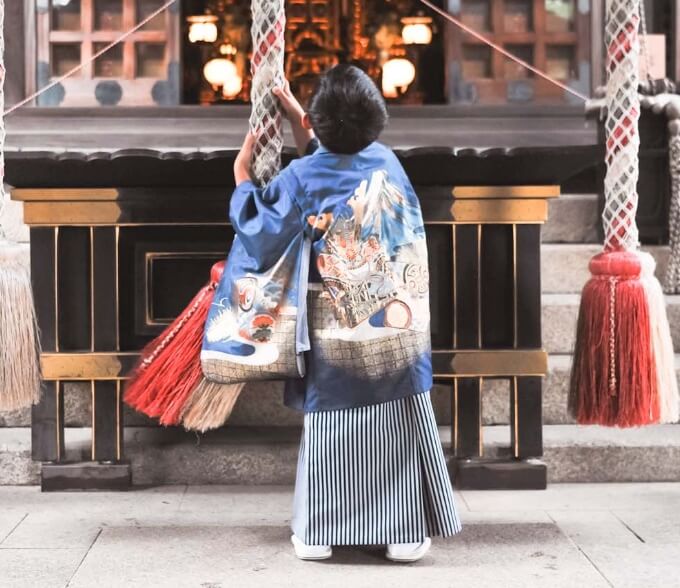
(289,103)
(243,159)
(299,121)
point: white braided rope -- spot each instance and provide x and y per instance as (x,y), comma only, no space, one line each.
(621,126)
(267,32)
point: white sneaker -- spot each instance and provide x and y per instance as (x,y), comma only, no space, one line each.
(304,551)
(407,552)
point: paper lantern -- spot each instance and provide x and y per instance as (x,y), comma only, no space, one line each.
(219,71)
(202,28)
(417,30)
(397,74)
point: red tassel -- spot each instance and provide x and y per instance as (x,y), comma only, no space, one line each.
(170,366)
(613,379)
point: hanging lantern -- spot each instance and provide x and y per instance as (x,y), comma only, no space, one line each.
(202,28)
(398,73)
(417,30)
(232,86)
(219,71)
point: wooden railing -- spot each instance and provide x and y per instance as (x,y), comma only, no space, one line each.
(111,266)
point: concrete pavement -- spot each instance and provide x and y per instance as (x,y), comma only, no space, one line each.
(584,535)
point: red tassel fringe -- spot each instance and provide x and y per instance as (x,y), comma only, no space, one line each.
(631,398)
(170,367)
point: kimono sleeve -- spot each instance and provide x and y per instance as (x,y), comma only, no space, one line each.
(266,219)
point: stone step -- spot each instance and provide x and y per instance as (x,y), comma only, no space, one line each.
(564,266)
(267,455)
(572,218)
(560,313)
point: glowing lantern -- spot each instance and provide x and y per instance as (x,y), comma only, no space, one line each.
(397,74)
(202,28)
(223,72)
(417,30)
(232,86)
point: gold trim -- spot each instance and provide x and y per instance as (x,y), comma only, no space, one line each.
(515,419)
(477,192)
(71,213)
(493,363)
(464,363)
(480,426)
(459,222)
(499,211)
(479,286)
(117,290)
(146,224)
(119,428)
(56,288)
(57,390)
(86,366)
(454,279)
(224,224)
(94,426)
(514,286)
(92,289)
(63,194)
(455,417)
(110,194)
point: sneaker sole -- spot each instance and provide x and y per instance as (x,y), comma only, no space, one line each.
(416,557)
(313,558)
(326,555)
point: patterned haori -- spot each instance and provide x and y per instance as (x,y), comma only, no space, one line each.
(352,225)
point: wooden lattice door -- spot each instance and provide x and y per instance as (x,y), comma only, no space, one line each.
(552,35)
(142,70)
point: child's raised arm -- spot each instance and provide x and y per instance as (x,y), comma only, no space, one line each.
(299,120)
(265,219)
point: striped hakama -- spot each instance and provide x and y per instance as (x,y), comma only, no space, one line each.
(373,475)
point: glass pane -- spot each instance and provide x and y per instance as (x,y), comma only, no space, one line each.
(477,14)
(150,60)
(561,62)
(109,65)
(476,61)
(513,70)
(517,17)
(66,15)
(108,15)
(65,56)
(146,8)
(559,16)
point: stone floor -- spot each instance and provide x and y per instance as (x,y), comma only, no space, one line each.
(586,535)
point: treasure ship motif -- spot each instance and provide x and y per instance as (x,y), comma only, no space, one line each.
(361,259)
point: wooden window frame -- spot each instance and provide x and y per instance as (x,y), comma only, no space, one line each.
(137,91)
(494,89)
(87,36)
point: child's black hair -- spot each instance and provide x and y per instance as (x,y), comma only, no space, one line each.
(347,110)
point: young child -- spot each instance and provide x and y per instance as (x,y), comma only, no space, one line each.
(371,468)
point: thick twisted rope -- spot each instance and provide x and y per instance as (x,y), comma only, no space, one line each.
(267,31)
(621,126)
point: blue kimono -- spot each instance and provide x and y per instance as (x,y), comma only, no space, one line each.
(327,277)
